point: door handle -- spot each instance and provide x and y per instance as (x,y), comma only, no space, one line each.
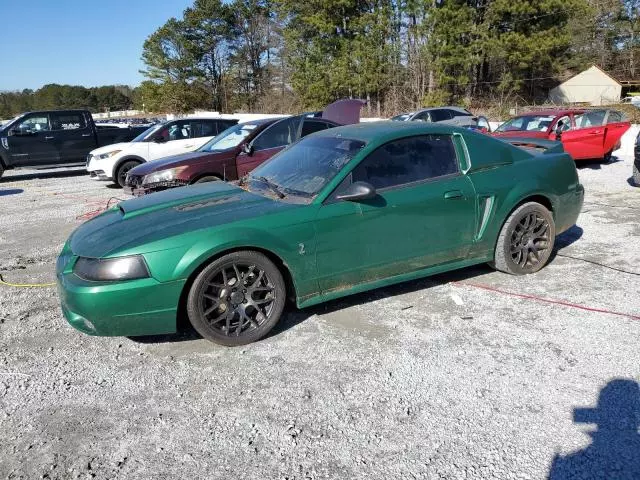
(597,132)
(86,134)
(453,194)
(48,138)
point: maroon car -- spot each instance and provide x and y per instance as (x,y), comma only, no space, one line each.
(238,150)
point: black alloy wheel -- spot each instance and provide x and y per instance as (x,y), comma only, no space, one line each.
(121,174)
(237,299)
(526,240)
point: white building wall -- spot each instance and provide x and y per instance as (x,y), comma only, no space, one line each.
(592,86)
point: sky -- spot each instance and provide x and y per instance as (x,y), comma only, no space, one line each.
(78,42)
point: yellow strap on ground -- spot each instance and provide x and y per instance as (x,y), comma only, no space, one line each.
(25,285)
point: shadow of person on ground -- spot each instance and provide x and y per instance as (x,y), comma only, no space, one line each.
(614,452)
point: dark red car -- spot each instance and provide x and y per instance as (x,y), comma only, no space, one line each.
(585,134)
(237,150)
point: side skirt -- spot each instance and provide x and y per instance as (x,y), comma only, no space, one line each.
(384,282)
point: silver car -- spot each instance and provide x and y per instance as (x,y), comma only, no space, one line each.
(449,115)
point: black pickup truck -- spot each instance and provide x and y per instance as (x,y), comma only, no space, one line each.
(56,138)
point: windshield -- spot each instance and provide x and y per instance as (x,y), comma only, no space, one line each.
(529,123)
(306,167)
(230,138)
(147,133)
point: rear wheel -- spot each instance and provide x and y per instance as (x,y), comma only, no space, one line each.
(208,178)
(526,240)
(237,299)
(121,173)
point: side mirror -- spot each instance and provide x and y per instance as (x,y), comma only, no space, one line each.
(247,148)
(357,191)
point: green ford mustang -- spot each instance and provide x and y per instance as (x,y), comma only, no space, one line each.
(342,211)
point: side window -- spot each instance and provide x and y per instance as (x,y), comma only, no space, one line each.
(312,126)
(180,131)
(614,117)
(458,113)
(408,160)
(203,128)
(279,134)
(564,123)
(423,117)
(594,118)
(35,123)
(440,114)
(68,121)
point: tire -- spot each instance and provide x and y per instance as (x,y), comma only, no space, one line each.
(534,224)
(121,172)
(226,314)
(208,178)
(607,156)
(636,175)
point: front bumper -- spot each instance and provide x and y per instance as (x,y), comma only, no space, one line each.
(137,189)
(130,308)
(98,175)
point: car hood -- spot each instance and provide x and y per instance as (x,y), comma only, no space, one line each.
(110,148)
(180,160)
(145,224)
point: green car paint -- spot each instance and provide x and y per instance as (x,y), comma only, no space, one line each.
(326,248)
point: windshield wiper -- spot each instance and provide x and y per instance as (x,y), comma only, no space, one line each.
(272,186)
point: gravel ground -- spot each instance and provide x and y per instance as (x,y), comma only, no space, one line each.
(449,377)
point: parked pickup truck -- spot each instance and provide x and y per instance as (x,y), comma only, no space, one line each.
(55,138)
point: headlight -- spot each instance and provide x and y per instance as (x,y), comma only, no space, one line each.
(110,269)
(102,156)
(163,175)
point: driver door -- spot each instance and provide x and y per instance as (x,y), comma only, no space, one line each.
(585,139)
(423,215)
(31,142)
(172,139)
(269,142)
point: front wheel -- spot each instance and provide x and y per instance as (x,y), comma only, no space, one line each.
(237,299)
(121,173)
(526,240)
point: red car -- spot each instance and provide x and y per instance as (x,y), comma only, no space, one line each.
(585,134)
(237,150)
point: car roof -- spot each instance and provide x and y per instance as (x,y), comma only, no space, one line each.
(457,109)
(387,130)
(262,121)
(552,112)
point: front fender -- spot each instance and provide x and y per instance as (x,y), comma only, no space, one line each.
(294,246)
